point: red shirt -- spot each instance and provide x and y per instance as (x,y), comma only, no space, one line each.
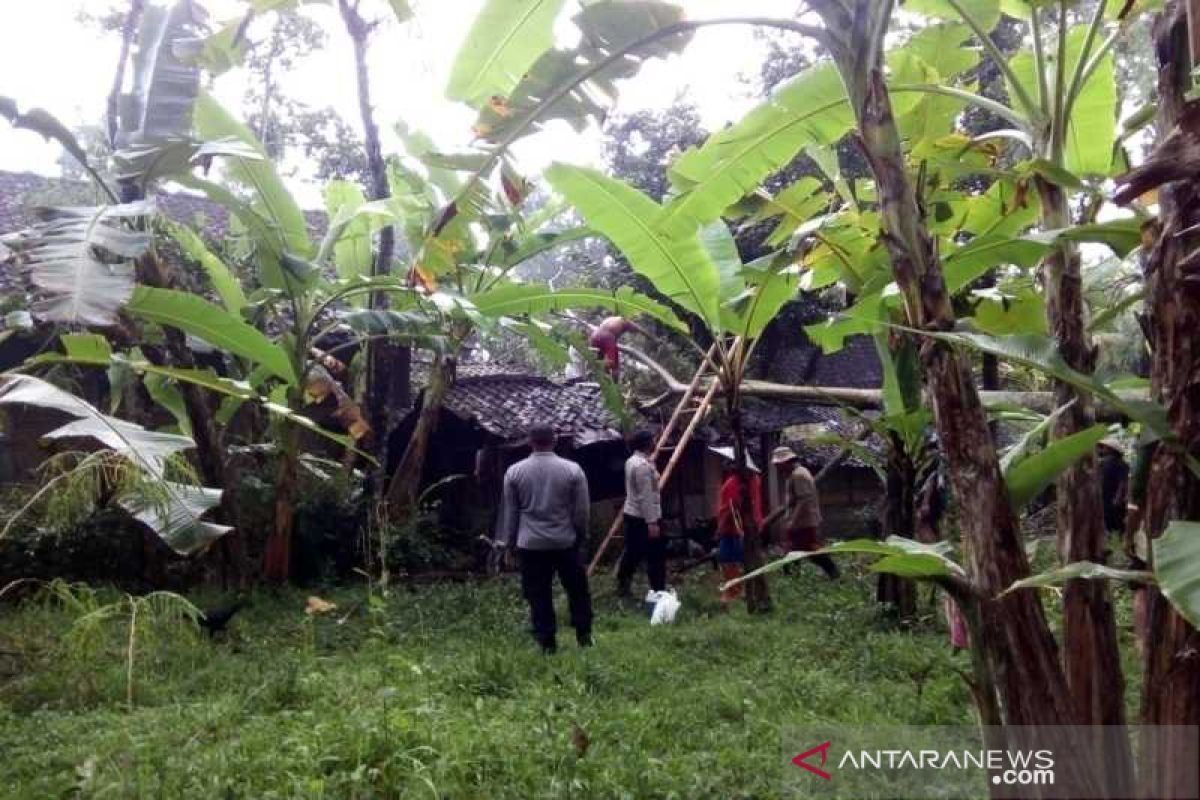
(727,524)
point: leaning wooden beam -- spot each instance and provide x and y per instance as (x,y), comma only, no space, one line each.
(872,399)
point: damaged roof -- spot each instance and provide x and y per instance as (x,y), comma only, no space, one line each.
(506,405)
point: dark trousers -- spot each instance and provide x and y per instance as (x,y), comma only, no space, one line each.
(538,568)
(808,539)
(638,547)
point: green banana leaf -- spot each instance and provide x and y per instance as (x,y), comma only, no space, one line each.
(527,299)
(196,316)
(1176,556)
(680,268)
(505,40)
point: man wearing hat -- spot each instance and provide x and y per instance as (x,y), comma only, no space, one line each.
(801,512)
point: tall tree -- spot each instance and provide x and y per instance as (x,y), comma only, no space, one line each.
(288,128)
(388,373)
(1171,688)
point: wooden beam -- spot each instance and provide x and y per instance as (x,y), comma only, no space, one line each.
(872,399)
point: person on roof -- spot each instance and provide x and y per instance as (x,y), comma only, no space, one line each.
(605,341)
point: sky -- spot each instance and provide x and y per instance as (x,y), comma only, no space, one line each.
(49,59)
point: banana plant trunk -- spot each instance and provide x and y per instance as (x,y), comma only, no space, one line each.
(1171,682)
(405,487)
(277,558)
(152,270)
(899,519)
(1029,677)
(1091,651)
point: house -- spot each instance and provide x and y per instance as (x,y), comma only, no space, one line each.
(489,408)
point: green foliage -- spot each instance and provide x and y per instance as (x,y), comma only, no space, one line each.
(224,281)
(1176,554)
(985,12)
(1092,130)
(352,250)
(285,230)
(505,39)
(159,499)
(1029,477)
(571,84)
(896,555)
(196,316)
(1080,570)
(811,109)
(439,692)
(680,267)
(524,299)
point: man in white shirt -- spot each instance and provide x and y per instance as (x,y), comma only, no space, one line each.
(643,515)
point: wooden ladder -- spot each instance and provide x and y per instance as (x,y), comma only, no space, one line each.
(687,405)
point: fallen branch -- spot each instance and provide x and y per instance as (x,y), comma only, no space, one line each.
(868,399)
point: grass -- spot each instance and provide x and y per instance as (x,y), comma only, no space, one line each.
(439,693)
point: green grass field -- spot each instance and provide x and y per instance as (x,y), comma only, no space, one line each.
(439,693)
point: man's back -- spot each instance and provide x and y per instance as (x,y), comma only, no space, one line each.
(803,499)
(545,503)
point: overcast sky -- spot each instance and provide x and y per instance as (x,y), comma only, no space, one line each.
(47,58)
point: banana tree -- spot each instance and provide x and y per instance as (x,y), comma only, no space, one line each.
(92,265)
(159,496)
(1172,492)
(468,274)
(1064,112)
(510,72)
(1016,638)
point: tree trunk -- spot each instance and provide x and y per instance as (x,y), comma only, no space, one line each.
(899,519)
(1091,652)
(405,488)
(1171,683)
(113,105)
(277,560)
(388,374)
(1030,680)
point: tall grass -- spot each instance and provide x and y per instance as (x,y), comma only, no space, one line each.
(439,693)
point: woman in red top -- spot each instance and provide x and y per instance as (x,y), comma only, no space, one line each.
(732,524)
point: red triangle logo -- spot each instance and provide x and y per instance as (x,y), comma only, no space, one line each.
(802,760)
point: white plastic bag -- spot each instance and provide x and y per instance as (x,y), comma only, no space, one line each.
(666,606)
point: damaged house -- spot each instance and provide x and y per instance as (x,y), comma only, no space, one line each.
(487,411)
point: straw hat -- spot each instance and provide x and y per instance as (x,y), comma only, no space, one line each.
(783,455)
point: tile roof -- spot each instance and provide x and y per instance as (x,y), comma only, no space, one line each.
(856,365)
(506,405)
